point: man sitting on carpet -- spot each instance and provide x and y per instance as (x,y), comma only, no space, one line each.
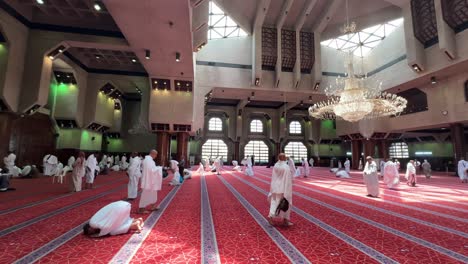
(113,219)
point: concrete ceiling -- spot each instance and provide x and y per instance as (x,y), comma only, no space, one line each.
(73,13)
(163,27)
(243,11)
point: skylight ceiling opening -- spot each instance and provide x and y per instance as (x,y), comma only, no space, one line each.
(221,25)
(362,42)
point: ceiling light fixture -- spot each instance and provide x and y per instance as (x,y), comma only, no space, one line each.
(147,54)
(41,2)
(433,80)
(98,56)
(97,6)
(134,60)
(355,96)
(177,56)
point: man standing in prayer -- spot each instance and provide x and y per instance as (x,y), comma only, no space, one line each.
(347,165)
(391,175)
(426,167)
(113,219)
(134,175)
(411,173)
(91,168)
(151,182)
(371,178)
(280,187)
(311,162)
(78,172)
(292,167)
(382,166)
(248,170)
(462,170)
(305,165)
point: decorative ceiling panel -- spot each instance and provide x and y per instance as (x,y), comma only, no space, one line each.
(269,48)
(456,14)
(424,21)
(107,59)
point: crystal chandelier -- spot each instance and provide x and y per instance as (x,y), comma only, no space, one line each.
(355,96)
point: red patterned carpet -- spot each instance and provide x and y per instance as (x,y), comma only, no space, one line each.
(221,219)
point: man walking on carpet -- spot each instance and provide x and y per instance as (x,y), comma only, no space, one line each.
(371,178)
(151,182)
(280,190)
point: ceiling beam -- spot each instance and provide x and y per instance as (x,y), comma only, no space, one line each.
(284,13)
(279,25)
(289,105)
(399,3)
(242,20)
(242,104)
(262,10)
(308,6)
(326,16)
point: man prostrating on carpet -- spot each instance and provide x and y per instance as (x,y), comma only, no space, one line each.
(280,196)
(151,181)
(113,219)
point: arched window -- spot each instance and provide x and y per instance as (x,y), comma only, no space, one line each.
(295,127)
(215,124)
(257,148)
(256,126)
(214,148)
(296,150)
(399,150)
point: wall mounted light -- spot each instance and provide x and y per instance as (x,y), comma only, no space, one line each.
(97,6)
(147,54)
(433,80)
(177,57)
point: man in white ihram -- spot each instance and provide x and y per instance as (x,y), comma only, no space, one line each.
(9,162)
(311,162)
(50,164)
(151,182)
(113,219)
(347,165)
(280,187)
(371,178)
(134,175)
(463,170)
(391,175)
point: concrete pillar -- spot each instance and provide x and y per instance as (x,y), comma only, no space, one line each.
(6,124)
(163,146)
(369,148)
(182,146)
(445,33)
(356,146)
(383,149)
(414,48)
(458,141)
(237,151)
